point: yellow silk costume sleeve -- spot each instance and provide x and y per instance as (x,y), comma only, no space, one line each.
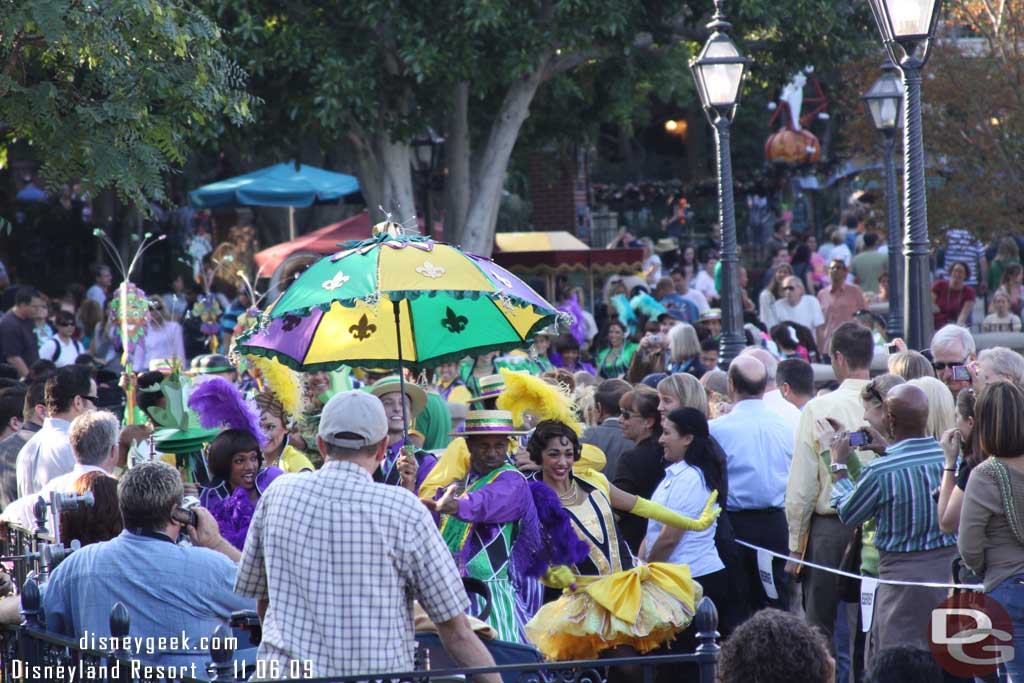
(659,513)
(451,466)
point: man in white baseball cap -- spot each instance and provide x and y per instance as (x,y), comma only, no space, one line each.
(332,541)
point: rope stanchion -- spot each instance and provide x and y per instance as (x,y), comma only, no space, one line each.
(892,582)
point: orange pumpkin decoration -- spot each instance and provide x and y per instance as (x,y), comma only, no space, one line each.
(792,147)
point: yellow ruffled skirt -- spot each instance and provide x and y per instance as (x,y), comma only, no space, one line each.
(643,607)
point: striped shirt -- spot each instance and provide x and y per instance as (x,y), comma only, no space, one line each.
(963,246)
(897,489)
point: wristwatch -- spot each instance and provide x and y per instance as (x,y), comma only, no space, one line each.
(838,467)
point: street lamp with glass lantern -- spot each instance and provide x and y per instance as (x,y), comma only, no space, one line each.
(718,73)
(427,152)
(884,104)
(908,28)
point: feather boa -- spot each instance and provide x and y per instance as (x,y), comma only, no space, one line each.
(579,326)
(283,382)
(647,305)
(233,515)
(626,314)
(562,543)
(219,403)
(526,393)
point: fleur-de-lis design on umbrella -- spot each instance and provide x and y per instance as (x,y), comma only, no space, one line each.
(454,323)
(290,322)
(363,330)
(428,269)
(336,282)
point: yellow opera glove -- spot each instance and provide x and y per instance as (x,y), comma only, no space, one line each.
(558,576)
(660,513)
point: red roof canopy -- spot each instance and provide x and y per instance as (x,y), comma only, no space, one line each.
(323,241)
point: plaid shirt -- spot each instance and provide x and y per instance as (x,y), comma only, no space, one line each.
(341,559)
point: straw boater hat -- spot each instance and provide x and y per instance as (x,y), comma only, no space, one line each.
(489,423)
(491,386)
(390,385)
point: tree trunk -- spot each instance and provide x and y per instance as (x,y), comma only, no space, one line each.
(457,158)
(385,176)
(478,232)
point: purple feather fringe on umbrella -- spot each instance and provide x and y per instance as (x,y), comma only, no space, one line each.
(233,515)
(219,403)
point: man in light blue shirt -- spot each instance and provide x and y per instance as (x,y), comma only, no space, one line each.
(758,446)
(175,593)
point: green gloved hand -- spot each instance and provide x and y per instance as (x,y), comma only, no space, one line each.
(660,513)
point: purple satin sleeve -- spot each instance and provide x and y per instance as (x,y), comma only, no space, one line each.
(506,499)
(426,465)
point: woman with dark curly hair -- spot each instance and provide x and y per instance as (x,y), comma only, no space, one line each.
(579,625)
(235,461)
(775,647)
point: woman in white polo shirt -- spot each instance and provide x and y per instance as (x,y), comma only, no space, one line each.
(693,472)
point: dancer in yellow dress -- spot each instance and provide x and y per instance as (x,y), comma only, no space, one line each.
(610,599)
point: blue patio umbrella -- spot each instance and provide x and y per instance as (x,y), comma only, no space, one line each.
(285,185)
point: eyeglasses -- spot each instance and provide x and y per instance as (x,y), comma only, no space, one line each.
(788,288)
(625,415)
(872,393)
(939,366)
(65,323)
(91,399)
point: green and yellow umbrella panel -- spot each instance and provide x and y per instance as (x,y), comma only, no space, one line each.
(447,304)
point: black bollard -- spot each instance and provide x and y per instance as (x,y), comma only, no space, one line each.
(221,668)
(706,623)
(120,623)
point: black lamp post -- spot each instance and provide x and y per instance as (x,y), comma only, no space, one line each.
(718,72)
(427,152)
(884,102)
(907,28)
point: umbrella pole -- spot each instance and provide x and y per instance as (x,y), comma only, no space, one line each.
(401,371)
(291,223)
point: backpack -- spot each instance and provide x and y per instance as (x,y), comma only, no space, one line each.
(57,348)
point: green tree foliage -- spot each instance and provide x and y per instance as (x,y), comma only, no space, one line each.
(113,92)
(373,74)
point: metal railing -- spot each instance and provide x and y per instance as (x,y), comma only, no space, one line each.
(29,652)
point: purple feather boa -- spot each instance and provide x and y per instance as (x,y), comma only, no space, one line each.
(219,403)
(562,544)
(233,515)
(579,326)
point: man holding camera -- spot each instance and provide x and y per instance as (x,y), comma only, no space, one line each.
(170,590)
(335,560)
(815,533)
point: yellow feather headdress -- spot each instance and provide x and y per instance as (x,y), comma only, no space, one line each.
(525,393)
(283,382)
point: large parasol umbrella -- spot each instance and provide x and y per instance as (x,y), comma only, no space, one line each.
(394,301)
(288,185)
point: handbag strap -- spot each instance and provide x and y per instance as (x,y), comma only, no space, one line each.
(1006,493)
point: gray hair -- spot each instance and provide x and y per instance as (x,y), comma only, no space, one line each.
(92,435)
(953,334)
(683,342)
(147,493)
(1005,363)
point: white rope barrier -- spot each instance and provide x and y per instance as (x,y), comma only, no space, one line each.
(833,570)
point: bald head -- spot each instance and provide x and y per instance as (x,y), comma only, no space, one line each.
(770,362)
(907,408)
(747,377)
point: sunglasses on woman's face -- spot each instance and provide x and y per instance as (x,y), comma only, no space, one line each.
(788,288)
